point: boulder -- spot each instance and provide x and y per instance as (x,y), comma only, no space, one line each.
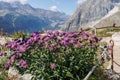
(13,73)
(26,77)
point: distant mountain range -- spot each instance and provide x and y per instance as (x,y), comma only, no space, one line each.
(94,13)
(23,17)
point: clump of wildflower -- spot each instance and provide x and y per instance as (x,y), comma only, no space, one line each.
(66,49)
(1,54)
(23,64)
(52,66)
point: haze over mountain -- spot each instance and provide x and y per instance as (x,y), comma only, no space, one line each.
(90,13)
(23,17)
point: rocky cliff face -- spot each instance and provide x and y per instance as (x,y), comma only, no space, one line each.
(112,18)
(89,13)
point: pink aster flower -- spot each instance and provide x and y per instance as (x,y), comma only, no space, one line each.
(1,54)
(76,46)
(12,59)
(22,48)
(6,66)
(23,64)
(46,46)
(52,66)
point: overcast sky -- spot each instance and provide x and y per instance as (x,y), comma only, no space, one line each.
(67,6)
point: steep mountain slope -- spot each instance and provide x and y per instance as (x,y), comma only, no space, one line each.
(89,13)
(113,17)
(23,17)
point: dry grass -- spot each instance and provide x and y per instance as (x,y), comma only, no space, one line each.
(108,31)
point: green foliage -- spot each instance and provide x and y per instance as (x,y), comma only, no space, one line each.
(99,74)
(3,74)
(64,62)
(87,29)
(18,35)
(70,66)
(104,33)
(107,32)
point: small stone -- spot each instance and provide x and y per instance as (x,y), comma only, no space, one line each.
(13,73)
(26,77)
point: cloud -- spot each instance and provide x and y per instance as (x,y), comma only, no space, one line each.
(10,1)
(53,8)
(80,1)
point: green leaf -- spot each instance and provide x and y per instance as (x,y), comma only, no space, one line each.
(69,74)
(77,67)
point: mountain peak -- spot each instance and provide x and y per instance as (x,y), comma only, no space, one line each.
(23,17)
(89,12)
(113,17)
(15,1)
(7,5)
